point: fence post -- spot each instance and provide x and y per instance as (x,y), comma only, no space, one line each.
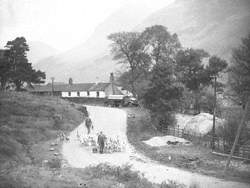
(178,131)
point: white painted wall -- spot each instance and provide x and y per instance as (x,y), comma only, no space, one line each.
(102,94)
(83,94)
(64,94)
(92,94)
(73,94)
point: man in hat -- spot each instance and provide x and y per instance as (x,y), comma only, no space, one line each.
(88,124)
(101,141)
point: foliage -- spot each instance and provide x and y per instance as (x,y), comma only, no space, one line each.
(20,71)
(191,71)
(207,102)
(4,69)
(229,130)
(55,163)
(163,96)
(215,66)
(141,83)
(128,49)
(141,51)
(239,71)
(160,44)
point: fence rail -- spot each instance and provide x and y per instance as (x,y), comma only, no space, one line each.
(242,151)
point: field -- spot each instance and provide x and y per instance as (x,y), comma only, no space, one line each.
(194,158)
(30,153)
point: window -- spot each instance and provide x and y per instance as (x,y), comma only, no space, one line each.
(69,93)
(97,94)
(87,93)
(78,93)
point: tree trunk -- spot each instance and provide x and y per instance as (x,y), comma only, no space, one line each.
(18,84)
(197,102)
(242,122)
(133,82)
(3,84)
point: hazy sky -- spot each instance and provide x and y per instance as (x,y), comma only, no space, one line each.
(59,22)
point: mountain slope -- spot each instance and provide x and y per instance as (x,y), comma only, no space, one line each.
(96,47)
(39,50)
(216,26)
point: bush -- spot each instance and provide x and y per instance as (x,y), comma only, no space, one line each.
(163,120)
(55,163)
(57,122)
(229,130)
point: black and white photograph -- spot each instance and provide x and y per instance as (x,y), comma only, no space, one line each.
(124,93)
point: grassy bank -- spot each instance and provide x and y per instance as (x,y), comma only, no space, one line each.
(28,126)
(194,158)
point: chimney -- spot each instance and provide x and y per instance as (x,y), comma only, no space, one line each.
(111,80)
(70,81)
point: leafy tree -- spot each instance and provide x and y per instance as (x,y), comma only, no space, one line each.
(141,83)
(240,83)
(239,71)
(5,68)
(162,97)
(216,66)
(142,51)
(160,44)
(128,49)
(21,70)
(213,71)
(191,71)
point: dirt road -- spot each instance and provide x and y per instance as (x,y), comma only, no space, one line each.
(113,122)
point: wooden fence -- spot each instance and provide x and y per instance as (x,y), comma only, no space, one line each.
(242,151)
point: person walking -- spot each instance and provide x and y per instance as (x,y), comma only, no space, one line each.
(88,124)
(101,141)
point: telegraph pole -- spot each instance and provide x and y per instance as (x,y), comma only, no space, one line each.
(52,85)
(214,114)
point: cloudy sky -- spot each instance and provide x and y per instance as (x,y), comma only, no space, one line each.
(60,23)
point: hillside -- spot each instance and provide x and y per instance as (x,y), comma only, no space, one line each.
(39,50)
(87,56)
(215,25)
(26,120)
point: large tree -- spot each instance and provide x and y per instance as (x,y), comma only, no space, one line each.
(163,96)
(191,71)
(239,71)
(21,70)
(5,68)
(240,84)
(127,48)
(161,45)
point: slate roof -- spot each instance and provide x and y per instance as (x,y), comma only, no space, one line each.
(74,87)
(62,87)
(99,87)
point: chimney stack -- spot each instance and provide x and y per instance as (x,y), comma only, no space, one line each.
(70,81)
(111,79)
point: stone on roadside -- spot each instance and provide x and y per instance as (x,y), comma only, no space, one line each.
(53,144)
(52,149)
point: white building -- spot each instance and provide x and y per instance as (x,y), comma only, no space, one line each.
(79,90)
